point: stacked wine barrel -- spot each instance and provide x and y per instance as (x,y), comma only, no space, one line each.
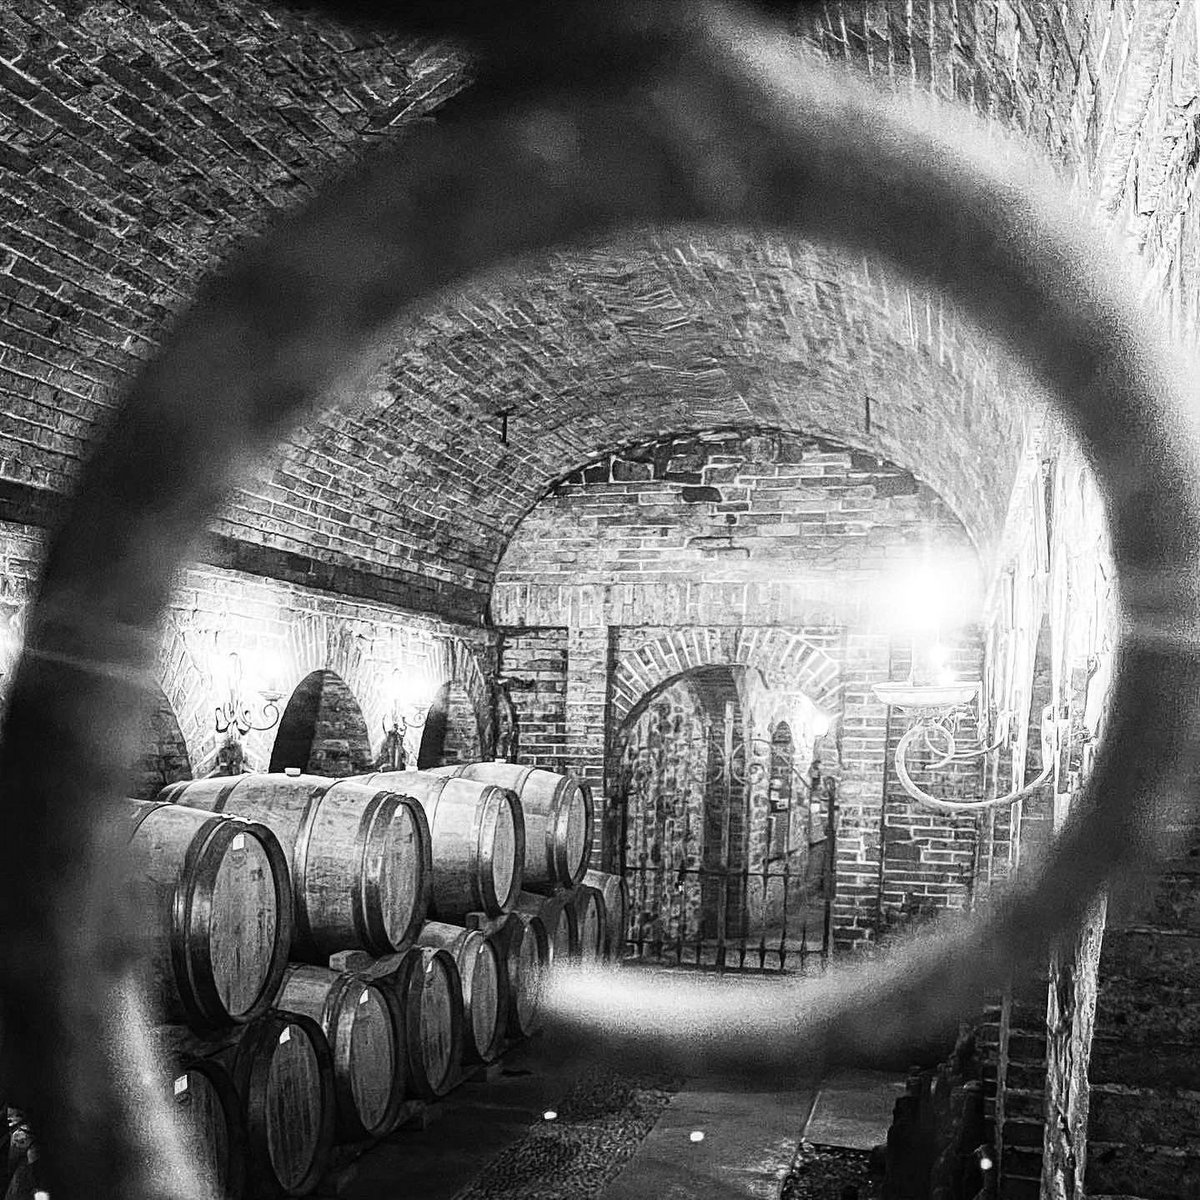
(331,1059)
(332,953)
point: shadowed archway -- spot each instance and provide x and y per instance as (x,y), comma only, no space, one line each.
(322,730)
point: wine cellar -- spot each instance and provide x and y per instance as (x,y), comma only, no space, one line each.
(582,575)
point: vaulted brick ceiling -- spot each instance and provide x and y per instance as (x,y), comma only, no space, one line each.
(138,143)
(664,333)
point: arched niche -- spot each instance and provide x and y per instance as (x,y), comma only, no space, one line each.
(322,730)
(711,776)
(452,731)
(162,752)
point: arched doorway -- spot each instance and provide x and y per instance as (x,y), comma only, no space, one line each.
(322,730)
(718,823)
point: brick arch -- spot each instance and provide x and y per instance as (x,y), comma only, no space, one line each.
(778,654)
(322,729)
(454,665)
(162,753)
(183,682)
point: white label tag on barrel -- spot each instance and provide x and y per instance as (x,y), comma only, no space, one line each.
(181,1085)
(285,1036)
(364,997)
(239,841)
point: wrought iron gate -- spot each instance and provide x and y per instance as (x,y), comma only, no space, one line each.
(758,901)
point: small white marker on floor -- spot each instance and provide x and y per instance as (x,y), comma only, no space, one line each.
(550,1115)
(697,1135)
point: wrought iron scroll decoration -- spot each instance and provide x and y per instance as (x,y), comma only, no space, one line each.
(726,128)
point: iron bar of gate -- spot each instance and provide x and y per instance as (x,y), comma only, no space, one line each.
(658,905)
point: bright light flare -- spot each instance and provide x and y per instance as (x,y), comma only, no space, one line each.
(926,596)
(412,690)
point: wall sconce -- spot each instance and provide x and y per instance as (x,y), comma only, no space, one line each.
(236,713)
(411,701)
(940,710)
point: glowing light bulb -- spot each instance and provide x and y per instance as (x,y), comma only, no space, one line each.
(697,1135)
(550,1115)
(985,1163)
(820,725)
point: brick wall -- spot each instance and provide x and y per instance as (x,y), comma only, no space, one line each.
(141,144)
(728,529)
(930,859)
(283,634)
(535,663)
(777,556)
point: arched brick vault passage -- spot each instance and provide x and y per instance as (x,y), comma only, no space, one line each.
(619,344)
(778,655)
(112,114)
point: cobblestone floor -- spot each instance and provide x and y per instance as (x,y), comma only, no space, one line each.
(831,1173)
(597,1127)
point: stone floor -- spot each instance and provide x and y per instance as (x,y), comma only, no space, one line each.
(539,1129)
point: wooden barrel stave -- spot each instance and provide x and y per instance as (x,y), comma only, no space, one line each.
(484,980)
(428,995)
(591,920)
(283,1070)
(360,1022)
(207,1112)
(527,960)
(558,819)
(561,921)
(615,890)
(359,856)
(214,908)
(478,840)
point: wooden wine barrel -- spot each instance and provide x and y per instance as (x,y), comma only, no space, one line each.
(478,841)
(528,959)
(208,1115)
(283,1071)
(428,991)
(615,890)
(561,921)
(558,819)
(360,856)
(361,1022)
(484,979)
(215,910)
(591,921)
